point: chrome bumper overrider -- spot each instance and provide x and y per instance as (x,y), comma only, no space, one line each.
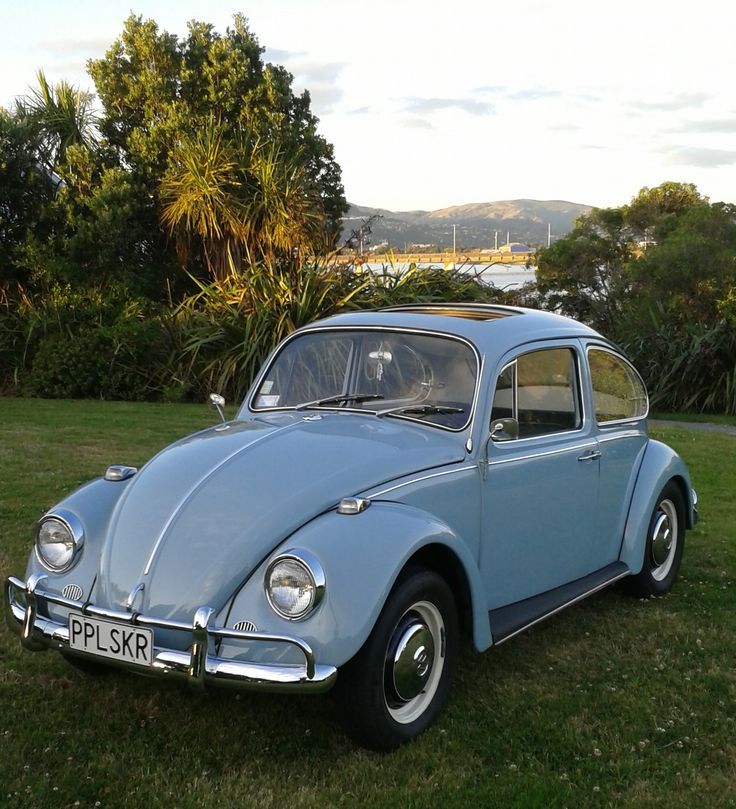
(196,666)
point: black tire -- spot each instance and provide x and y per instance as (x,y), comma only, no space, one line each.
(664,545)
(384,705)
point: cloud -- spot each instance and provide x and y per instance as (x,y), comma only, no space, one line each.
(320,78)
(426,106)
(417,123)
(279,56)
(324,97)
(358,111)
(491,89)
(727,125)
(564,127)
(703,158)
(520,94)
(533,94)
(676,102)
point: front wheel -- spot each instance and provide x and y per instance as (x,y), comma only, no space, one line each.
(664,545)
(395,686)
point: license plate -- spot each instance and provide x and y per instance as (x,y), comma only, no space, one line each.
(109,639)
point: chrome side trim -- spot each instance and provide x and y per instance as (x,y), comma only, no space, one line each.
(567,604)
(198,485)
(603,439)
(380,493)
(573,448)
(196,666)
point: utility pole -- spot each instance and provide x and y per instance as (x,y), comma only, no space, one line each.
(454,240)
(508,237)
(495,236)
(549,234)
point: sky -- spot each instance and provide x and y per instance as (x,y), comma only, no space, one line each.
(436,104)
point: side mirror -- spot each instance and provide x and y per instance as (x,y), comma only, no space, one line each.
(504,430)
(217,403)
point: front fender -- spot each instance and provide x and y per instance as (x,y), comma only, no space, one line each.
(660,465)
(362,556)
(92,503)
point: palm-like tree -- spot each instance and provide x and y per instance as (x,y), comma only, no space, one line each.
(62,115)
(202,199)
(240,198)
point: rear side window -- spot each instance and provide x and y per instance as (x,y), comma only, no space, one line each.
(541,391)
(618,392)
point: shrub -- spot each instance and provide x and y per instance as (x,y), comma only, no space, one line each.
(122,361)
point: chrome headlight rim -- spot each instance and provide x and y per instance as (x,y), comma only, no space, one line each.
(314,570)
(73,525)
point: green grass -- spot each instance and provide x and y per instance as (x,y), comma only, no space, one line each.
(707,418)
(615,702)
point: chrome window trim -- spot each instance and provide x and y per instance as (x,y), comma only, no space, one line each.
(583,413)
(74,525)
(598,347)
(374,495)
(316,571)
(479,364)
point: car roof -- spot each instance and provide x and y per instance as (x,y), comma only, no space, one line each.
(482,324)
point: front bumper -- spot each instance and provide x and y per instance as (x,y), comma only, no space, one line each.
(196,666)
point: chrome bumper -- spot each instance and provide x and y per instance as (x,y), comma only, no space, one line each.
(196,666)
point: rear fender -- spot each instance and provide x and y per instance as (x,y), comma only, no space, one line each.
(660,465)
(362,556)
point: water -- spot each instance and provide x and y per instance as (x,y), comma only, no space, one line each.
(503,276)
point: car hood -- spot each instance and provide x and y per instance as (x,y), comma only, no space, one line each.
(202,514)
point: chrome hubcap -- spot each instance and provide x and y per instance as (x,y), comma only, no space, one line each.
(663,539)
(414,662)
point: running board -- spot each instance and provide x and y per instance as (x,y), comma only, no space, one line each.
(514,618)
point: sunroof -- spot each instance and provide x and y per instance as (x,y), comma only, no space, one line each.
(469,311)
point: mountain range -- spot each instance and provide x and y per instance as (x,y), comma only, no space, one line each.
(482,224)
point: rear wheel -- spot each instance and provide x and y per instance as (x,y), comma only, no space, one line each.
(395,686)
(664,545)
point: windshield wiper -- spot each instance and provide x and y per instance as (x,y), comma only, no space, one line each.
(421,410)
(341,397)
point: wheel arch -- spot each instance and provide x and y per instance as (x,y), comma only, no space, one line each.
(660,465)
(442,560)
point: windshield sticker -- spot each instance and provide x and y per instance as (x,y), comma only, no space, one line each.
(268,401)
(266,386)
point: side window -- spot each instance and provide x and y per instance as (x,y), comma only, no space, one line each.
(540,390)
(618,392)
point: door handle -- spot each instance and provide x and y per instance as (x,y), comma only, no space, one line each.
(593,455)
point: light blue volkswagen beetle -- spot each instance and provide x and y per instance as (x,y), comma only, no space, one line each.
(393,480)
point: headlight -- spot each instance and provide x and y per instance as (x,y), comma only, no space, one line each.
(59,539)
(295,584)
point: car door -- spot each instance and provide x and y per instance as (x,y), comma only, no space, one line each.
(620,407)
(540,489)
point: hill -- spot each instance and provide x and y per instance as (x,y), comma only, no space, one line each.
(525,220)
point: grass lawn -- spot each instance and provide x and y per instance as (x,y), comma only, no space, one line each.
(614,702)
(707,418)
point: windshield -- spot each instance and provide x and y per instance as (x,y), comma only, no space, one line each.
(387,372)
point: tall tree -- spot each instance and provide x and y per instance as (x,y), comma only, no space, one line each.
(159,92)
